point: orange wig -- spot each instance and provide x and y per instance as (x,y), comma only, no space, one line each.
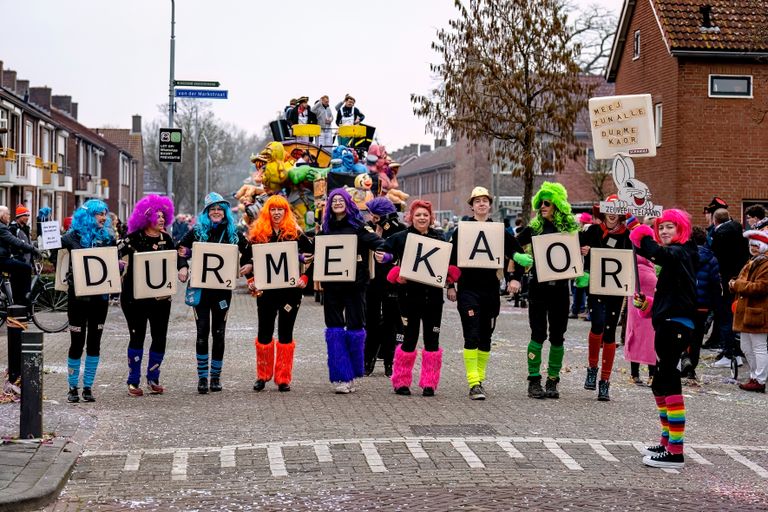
(261,229)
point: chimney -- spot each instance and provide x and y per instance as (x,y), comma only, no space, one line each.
(136,124)
(424,148)
(1,73)
(22,89)
(9,79)
(41,96)
(440,143)
(63,103)
(706,16)
(73,111)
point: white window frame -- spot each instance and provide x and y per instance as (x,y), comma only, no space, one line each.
(739,96)
(5,136)
(658,122)
(636,45)
(45,144)
(29,138)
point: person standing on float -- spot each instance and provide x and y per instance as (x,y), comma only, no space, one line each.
(548,302)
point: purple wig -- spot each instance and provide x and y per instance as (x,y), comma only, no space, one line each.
(353,214)
(146,210)
(380,206)
(681,219)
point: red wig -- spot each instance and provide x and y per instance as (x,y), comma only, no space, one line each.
(420,203)
(680,218)
(261,229)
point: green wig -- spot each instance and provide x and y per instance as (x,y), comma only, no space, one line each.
(563,218)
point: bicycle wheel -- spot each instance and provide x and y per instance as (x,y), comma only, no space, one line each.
(49,309)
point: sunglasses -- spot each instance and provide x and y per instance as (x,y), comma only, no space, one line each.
(546,203)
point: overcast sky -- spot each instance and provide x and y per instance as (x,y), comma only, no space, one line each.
(112,57)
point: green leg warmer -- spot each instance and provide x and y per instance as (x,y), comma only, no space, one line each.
(482,362)
(470,364)
(534,359)
(555,360)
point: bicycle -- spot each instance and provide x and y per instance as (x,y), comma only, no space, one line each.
(49,305)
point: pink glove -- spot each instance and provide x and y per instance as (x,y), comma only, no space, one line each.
(639,233)
(393,276)
(454,273)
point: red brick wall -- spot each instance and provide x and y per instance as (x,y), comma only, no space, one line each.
(709,146)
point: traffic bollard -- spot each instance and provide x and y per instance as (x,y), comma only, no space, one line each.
(31,416)
(17,322)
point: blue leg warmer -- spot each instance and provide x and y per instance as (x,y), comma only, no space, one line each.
(89,372)
(339,364)
(202,366)
(356,347)
(73,372)
(153,366)
(134,365)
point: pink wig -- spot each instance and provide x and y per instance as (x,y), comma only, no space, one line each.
(420,203)
(145,212)
(681,219)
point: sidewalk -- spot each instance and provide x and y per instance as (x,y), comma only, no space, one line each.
(33,473)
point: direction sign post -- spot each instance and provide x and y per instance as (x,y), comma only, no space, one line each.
(170,145)
(195,83)
(216,94)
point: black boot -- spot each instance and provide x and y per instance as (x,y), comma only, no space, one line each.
(88,395)
(73,396)
(369,366)
(259,385)
(388,369)
(591,381)
(534,388)
(602,392)
(550,388)
(215,384)
(202,385)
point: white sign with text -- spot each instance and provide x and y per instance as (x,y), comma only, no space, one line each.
(50,237)
(62,267)
(214,266)
(611,272)
(557,256)
(276,265)
(622,124)
(154,274)
(425,260)
(481,245)
(95,271)
(335,258)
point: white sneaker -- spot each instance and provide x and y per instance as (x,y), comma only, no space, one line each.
(352,387)
(342,388)
(723,362)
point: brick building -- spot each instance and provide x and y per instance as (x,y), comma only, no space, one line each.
(705,64)
(48,158)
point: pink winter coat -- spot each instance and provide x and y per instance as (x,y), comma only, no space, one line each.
(638,344)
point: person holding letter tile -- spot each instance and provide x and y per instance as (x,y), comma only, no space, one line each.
(90,228)
(276,223)
(344,302)
(604,310)
(669,245)
(548,301)
(478,292)
(420,305)
(215,224)
(146,232)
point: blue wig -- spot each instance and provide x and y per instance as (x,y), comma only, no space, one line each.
(204,226)
(353,214)
(84,223)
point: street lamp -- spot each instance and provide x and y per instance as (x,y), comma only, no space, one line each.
(169,188)
(207,163)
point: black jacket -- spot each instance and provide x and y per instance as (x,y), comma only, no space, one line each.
(596,238)
(731,249)
(412,291)
(367,240)
(293,117)
(524,238)
(483,279)
(390,225)
(10,244)
(138,241)
(216,234)
(675,295)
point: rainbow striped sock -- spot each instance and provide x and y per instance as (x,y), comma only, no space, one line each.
(676,418)
(661,405)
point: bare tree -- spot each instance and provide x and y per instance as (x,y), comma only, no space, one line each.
(509,79)
(593,31)
(229,149)
(600,171)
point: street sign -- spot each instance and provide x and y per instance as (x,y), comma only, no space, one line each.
(194,83)
(217,94)
(170,145)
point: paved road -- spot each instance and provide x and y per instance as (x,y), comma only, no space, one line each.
(313,450)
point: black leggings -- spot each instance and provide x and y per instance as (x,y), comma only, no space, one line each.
(670,341)
(421,305)
(549,303)
(86,324)
(344,305)
(283,304)
(604,311)
(383,322)
(211,316)
(478,312)
(138,313)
